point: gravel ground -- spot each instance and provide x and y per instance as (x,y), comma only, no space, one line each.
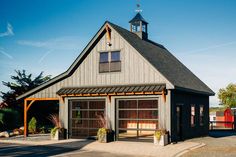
(218,144)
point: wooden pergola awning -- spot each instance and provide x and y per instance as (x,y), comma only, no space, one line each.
(113,90)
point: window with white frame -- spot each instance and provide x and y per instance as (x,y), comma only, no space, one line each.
(192,115)
(201,115)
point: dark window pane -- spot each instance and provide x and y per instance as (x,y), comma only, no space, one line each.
(124,104)
(115,56)
(79,105)
(103,57)
(147,104)
(104,67)
(148,114)
(115,66)
(130,114)
(97,105)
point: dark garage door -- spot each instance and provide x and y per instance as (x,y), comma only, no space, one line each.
(83,122)
(137,119)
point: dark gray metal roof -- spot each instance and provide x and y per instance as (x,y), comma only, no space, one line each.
(168,65)
(138,17)
(112,89)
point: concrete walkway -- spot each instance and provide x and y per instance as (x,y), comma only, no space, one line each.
(79,147)
(139,148)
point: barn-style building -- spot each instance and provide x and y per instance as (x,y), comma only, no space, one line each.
(136,82)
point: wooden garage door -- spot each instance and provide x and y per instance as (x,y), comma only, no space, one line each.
(137,119)
(83,122)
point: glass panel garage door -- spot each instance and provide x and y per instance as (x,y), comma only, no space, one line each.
(137,119)
(83,121)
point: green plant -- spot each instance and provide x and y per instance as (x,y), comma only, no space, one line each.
(159,133)
(102,132)
(54,118)
(9,119)
(53,131)
(42,130)
(32,125)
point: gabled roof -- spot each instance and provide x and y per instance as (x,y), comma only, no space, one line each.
(138,17)
(169,66)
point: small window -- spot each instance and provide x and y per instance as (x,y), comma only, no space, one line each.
(115,56)
(103,57)
(110,62)
(192,115)
(201,115)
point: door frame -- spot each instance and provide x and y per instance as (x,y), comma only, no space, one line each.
(132,98)
(179,134)
(69,100)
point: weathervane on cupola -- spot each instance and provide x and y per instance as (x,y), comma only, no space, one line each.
(138,24)
(138,10)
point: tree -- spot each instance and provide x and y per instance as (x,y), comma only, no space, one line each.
(20,84)
(227,96)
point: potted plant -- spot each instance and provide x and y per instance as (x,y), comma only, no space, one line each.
(58,132)
(105,133)
(160,137)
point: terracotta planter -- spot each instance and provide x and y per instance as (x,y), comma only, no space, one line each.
(163,140)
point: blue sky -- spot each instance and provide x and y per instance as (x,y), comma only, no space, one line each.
(47,36)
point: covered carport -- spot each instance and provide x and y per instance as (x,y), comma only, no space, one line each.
(28,102)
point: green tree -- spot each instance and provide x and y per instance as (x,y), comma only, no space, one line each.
(227,96)
(20,84)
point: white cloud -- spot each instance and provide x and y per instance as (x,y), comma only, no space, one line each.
(5,53)
(62,43)
(45,55)
(210,47)
(9,31)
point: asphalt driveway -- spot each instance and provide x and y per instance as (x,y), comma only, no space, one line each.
(218,144)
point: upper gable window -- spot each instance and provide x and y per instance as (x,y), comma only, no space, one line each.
(103,57)
(115,56)
(109,62)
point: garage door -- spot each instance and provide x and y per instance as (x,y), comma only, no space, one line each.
(83,122)
(137,119)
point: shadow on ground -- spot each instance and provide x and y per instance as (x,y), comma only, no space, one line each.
(47,150)
(221,133)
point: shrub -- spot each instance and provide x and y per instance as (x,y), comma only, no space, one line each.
(42,130)
(32,125)
(9,119)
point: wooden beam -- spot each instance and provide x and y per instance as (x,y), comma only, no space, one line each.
(120,93)
(42,99)
(25,119)
(130,93)
(148,93)
(108,33)
(28,106)
(164,95)
(109,98)
(139,93)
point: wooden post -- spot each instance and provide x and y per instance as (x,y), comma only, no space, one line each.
(164,96)
(25,119)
